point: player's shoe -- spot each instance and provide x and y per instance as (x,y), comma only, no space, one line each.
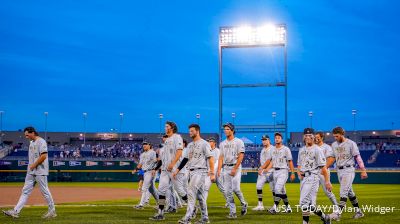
(202,221)
(11,213)
(157,217)
(138,207)
(258,208)
(244,210)
(184,221)
(272,211)
(170,210)
(358,215)
(335,216)
(50,214)
(326,219)
(232,216)
(288,209)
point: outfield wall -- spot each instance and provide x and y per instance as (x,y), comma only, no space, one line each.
(120,171)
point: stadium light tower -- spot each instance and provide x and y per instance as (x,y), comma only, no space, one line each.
(270,35)
(84,128)
(310,114)
(354,113)
(46,114)
(198,118)
(233,118)
(274,117)
(1,127)
(121,115)
(161,116)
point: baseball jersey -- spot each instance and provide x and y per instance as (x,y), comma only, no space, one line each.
(171,145)
(280,157)
(197,154)
(36,148)
(215,153)
(230,150)
(264,154)
(148,159)
(311,158)
(344,152)
(326,149)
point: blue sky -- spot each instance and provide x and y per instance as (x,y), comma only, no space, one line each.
(149,57)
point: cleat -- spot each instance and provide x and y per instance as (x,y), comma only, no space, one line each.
(244,210)
(335,216)
(258,208)
(202,221)
(358,215)
(272,211)
(326,219)
(288,209)
(50,214)
(11,213)
(170,210)
(231,216)
(138,207)
(157,217)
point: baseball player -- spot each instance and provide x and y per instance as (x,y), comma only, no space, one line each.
(279,159)
(38,170)
(218,180)
(264,177)
(169,156)
(196,157)
(327,150)
(231,156)
(311,164)
(345,151)
(146,164)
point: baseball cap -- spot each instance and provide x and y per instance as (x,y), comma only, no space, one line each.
(211,139)
(308,131)
(229,125)
(278,134)
(145,142)
(264,137)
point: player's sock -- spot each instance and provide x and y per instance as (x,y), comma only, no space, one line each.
(277,198)
(319,213)
(185,198)
(354,202)
(285,199)
(306,217)
(161,203)
(342,203)
(259,195)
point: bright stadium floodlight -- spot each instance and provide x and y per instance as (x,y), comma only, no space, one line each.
(267,35)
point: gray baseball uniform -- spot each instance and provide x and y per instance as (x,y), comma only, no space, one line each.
(230,151)
(167,154)
(327,150)
(148,160)
(197,154)
(218,180)
(344,154)
(265,177)
(310,160)
(38,175)
(280,158)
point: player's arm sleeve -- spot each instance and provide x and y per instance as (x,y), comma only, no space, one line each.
(183,163)
(354,149)
(329,152)
(207,151)
(320,158)
(242,149)
(159,163)
(299,158)
(179,143)
(43,147)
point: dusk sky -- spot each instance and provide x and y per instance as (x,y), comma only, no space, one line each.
(143,58)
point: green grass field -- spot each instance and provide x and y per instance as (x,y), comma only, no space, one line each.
(121,211)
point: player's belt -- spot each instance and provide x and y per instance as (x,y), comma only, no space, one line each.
(277,168)
(307,173)
(342,167)
(229,164)
(197,169)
